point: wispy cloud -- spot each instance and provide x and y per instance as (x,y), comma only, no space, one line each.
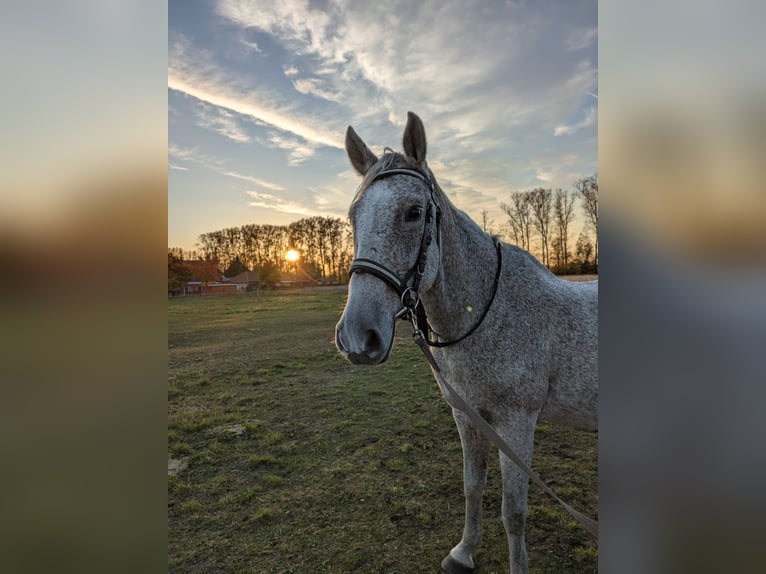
(587,121)
(180,153)
(192,155)
(297,150)
(252,46)
(221,121)
(268,201)
(316,87)
(259,182)
(193,73)
(544,176)
(379,60)
(580,39)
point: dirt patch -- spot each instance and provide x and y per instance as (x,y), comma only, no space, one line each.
(235,429)
(176,465)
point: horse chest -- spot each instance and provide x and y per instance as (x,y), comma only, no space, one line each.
(493,386)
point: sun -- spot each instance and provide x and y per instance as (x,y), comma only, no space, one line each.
(292,255)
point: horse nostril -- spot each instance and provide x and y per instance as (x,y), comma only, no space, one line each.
(373,343)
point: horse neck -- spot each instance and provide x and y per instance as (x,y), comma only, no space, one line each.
(463,287)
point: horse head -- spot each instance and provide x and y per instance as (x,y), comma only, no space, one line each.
(394,217)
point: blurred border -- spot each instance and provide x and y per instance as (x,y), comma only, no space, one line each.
(83,300)
(682,138)
(83,219)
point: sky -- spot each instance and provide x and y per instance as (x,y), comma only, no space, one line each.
(260,94)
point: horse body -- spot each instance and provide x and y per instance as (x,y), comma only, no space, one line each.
(534,355)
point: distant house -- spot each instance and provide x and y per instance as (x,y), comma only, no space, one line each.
(220,287)
(194,288)
(291,280)
(245,281)
(206,278)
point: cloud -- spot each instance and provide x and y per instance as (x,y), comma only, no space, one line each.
(316,87)
(544,175)
(259,182)
(194,156)
(587,121)
(580,39)
(192,72)
(360,47)
(492,86)
(298,151)
(221,121)
(189,154)
(268,201)
(379,60)
(335,198)
(253,46)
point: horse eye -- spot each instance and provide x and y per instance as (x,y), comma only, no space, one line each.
(414,213)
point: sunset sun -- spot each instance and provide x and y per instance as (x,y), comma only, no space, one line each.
(291,255)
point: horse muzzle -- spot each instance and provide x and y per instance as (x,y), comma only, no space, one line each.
(367,347)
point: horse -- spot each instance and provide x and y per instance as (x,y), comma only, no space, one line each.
(516,342)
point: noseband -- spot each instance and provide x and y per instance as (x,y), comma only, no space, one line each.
(407,286)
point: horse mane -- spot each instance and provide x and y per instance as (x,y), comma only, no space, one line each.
(395,160)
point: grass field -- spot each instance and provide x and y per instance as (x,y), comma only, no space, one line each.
(285,458)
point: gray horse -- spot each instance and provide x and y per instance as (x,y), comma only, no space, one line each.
(516,342)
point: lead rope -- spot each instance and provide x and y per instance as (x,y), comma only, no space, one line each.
(588,523)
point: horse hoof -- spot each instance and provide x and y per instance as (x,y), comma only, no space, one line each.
(452,566)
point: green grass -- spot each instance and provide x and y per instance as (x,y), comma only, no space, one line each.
(297,461)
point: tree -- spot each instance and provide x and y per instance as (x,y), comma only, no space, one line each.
(486,222)
(212,246)
(584,251)
(541,202)
(519,218)
(235,268)
(269,274)
(587,188)
(563,214)
(206,270)
(255,244)
(179,273)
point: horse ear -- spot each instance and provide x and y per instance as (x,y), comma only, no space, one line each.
(362,159)
(414,141)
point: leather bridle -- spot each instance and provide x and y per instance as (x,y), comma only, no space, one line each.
(407,287)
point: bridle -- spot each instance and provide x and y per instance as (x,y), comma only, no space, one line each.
(407,286)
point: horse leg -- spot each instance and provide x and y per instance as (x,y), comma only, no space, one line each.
(519,432)
(475,451)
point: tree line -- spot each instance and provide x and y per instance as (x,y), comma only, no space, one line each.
(545,215)
(323,245)
(538,221)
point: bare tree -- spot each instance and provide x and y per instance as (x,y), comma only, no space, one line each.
(251,239)
(486,222)
(541,202)
(519,218)
(212,245)
(563,214)
(587,188)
